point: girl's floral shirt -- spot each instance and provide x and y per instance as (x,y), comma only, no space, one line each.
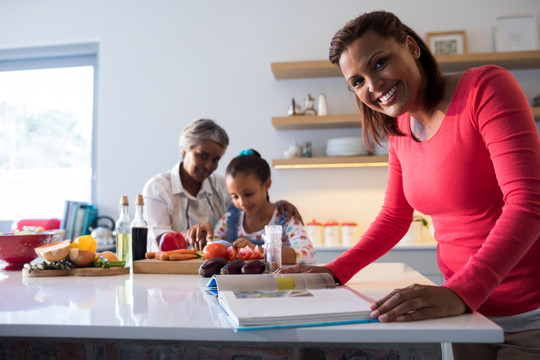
(294,235)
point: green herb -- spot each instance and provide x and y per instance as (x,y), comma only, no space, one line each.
(103,262)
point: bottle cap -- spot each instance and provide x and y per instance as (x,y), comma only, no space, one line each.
(272,235)
(272,230)
(140,200)
(124,200)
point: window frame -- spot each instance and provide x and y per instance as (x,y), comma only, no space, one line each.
(58,56)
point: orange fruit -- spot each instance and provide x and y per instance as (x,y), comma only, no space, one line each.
(85,242)
(109,255)
(54,252)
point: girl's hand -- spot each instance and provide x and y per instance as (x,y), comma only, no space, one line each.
(418,302)
(242,242)
(301,268)
(287,209)
(199,235)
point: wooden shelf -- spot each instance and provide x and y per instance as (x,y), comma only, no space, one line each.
(305,69)
(331,162)
(296,122)
(458,62)
(536,113)
(507,60)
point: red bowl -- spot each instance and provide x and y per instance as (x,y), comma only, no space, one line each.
(16,250)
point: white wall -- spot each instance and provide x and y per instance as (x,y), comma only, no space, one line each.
(165,63)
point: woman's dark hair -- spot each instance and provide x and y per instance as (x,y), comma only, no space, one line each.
(247,163)
(377,125)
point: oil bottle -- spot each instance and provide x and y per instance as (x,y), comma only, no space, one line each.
(123,233)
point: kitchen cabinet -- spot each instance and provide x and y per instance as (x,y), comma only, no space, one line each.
(323,68)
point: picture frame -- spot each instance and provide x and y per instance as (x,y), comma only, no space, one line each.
(447,42)
(516,33)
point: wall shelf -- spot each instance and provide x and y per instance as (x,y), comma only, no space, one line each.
(296,122)
(536,112)
(331,162)
(457,62)
(323,68)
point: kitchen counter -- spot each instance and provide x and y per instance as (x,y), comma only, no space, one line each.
(174,307)
(420,256)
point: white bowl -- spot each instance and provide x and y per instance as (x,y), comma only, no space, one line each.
(347,146)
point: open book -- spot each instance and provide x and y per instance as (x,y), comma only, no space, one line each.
(286,300)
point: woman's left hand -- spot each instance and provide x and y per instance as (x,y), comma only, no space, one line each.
(418,302)
(287,209)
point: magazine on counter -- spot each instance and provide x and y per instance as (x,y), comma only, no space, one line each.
(270,301)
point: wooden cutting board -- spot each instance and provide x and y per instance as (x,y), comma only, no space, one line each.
(77,272)
(153,266)
(99,271)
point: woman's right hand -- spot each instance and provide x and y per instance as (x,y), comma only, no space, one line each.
(301,268)
(199,235)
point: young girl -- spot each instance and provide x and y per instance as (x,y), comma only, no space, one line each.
(248,180)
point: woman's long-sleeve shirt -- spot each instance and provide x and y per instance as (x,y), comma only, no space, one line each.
(478,177)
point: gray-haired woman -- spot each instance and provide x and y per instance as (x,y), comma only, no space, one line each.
(190,193)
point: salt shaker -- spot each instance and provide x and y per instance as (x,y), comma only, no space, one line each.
(272,247)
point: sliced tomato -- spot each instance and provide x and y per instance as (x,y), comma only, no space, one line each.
(257,253)
(245,253)
(231,253)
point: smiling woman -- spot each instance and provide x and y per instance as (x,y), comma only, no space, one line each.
(46,128)
(463,149)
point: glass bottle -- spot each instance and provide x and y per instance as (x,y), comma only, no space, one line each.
(272,247)
(123,233)
(139,230)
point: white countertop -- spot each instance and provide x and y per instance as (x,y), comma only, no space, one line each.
(174,307)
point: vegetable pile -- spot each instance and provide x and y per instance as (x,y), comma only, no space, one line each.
(225,261)
(64,255)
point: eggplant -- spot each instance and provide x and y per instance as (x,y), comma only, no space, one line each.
(234,267)
(254,267)
(212,266)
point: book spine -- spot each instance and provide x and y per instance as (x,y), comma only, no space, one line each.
(91,215)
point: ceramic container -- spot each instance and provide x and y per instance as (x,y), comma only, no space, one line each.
(314,230)
(349,233)
(332,236)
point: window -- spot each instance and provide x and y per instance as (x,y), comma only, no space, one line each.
(47,107)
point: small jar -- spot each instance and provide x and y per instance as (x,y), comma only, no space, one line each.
(332,233)
(349,233)
(314,231)
(272,247)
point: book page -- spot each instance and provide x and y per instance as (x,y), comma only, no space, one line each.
(220,283)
